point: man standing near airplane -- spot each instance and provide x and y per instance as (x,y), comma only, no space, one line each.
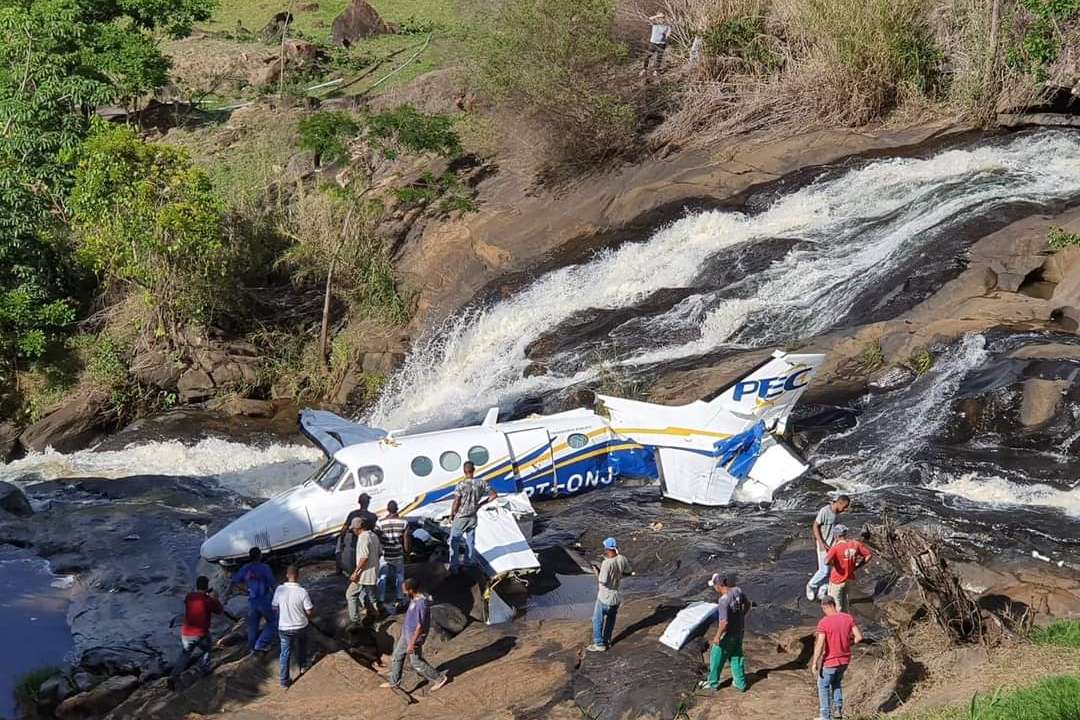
(822,532)
(469,495)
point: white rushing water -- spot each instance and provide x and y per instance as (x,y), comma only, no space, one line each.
(994,490)
(247,469)
(855,228)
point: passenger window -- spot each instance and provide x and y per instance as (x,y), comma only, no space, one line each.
(349,483)
(370,476)
(577,440)
(421,466)
(478,455)
(450,461)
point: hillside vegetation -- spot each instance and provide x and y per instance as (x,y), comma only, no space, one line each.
(264,205)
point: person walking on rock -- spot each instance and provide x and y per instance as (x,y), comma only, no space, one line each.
(394,531)
(821,531)
(364,580)
(727,644)
(199,608)
(410,643)
(346,539)
(469,495)
(609,577)
(257,578)
(836,632)
(844,558)
(658,37)
(293,605)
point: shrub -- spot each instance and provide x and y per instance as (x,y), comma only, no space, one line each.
(1062,633)
(27,685)
(744,38)
(143,215)
(557,59)
(1058,239)
(445,190)
(415,131)
(1041,41)
(325,133)
(871,358)
(920,362)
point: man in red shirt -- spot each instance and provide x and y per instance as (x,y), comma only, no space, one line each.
(832,654)
(844,557)
(199,608)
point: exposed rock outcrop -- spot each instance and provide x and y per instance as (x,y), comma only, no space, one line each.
(99,700)
(1041,400)
(72,426)
(13,501)
(357,21)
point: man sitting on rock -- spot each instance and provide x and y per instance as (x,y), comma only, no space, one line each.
(727,644)
(844,557)
(258,579)
(832,655)
(199,608)
(410,643)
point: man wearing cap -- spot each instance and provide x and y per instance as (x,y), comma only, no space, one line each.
(346,549)
(609,577)
(821,531)
(832,654)
(844,557)
(727,644)
(364,580)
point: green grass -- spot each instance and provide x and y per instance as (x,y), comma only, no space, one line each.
(26,686)
(1057,238)
(1054,698)
(1062,633)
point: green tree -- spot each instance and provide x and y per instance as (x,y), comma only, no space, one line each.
(144,215)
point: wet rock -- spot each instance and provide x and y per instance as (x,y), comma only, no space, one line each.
(195,385)
(889,379)
(448,619)
(56,689)
(99,700)
(247,407)
(1011,271)
(9,438)
(83,681)
(12,500)
(1041,400)
(71,427)
(113,661)
(358,20)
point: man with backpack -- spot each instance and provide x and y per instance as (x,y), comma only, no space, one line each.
(732,609)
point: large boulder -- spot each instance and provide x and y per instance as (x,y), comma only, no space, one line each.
(72,426)
(158,369)
(195,385)
(9,438)
(358,20)
(1041,400)
(13,501)
(98,700)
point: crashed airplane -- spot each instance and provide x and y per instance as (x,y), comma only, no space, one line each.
(705,453)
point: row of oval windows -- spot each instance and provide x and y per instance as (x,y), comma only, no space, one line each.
(478,455)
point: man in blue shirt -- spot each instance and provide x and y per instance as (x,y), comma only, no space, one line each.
(258,579)
(411,643)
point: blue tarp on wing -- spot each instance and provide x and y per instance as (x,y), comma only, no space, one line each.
(332,432)
(739,452)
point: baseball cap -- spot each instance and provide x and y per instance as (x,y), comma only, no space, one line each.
(355,524)
(839,530)
(714,579)
(610,544)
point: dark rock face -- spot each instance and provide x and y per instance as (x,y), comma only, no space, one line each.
(273,29)
(358,20)
(99,700)
(74,425)
(9,438)
(13,501)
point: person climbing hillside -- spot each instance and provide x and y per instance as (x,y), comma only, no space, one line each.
(844,558)
(727,644)
(659,32)
(199,608)
(256,577)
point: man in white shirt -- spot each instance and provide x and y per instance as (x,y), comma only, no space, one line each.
(293,605)
(658,39)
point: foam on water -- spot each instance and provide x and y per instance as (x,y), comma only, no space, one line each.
(855,230)
(246,469)
(995,490)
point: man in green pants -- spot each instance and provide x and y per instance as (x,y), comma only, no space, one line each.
(732,610)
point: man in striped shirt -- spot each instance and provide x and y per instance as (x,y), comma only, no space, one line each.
(394,530)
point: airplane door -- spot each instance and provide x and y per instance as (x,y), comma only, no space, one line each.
(530,451)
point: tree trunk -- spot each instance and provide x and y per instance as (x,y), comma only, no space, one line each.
(324,332)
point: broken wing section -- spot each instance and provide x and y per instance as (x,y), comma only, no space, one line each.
(503,527)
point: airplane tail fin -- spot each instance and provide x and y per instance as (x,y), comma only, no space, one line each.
(769,393)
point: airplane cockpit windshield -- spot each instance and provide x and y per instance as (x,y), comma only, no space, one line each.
(328,475)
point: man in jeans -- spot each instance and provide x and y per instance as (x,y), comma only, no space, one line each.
(727,644)
(608,577)
(365,577)
(410,644)
(199,608)
(659,30)
(821,531)
(396,543)
(258,579)
(293,605)
(844,558)
(469,495)
(832,655)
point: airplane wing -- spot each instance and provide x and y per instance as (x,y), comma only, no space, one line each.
(332,432)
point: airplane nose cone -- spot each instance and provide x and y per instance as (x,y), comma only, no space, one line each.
(215,548)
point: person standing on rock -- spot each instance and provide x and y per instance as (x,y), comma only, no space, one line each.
(609,577)
(257,578)
(346,539)
(365,577)
(844,558)
(410,643)
(659,31)
(394,531)
(727,644)
(470,494)
(836,631)
(199,608)
(293,605)
(821,531)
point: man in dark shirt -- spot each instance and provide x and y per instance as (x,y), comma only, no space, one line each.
(346,543)
(257,578)
(411,643)
(732,609)
(199,608)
